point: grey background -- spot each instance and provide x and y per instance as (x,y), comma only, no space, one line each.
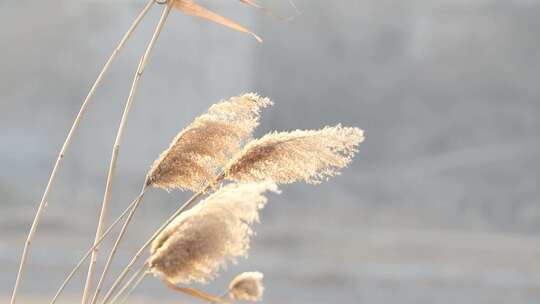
(441,204)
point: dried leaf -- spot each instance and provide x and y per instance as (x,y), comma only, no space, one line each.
(191,8)
(251,3)
(269,12)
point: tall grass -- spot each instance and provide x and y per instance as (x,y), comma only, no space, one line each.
(216,156)
(66,144)
(116,147)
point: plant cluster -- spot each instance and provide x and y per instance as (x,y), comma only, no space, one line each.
(215,156)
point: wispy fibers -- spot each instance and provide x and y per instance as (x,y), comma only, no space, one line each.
(198,151)
(247,286)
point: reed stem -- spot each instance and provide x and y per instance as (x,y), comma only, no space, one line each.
(137,278)
(196,293)
(65,146)
(89,251)
(117,243)
(116,147)
(139,253)
(134,281)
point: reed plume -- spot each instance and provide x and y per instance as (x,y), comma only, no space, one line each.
(277,157)
(207,143)
(196,153)
(286,157)
(198,243)
(247,286)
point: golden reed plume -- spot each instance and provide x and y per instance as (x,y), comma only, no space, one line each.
(247,286)
(197,244)
(286,157)
(207,143)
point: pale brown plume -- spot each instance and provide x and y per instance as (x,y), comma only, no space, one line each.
(247,286)
(198,243)
(207,143)
(286,157)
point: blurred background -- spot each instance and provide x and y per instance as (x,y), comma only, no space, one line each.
(441,204)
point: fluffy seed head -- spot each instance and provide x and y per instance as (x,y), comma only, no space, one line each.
(247,286)
(198,243)
(286,157)
(207,143)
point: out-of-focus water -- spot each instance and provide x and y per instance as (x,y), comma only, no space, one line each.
(441,204)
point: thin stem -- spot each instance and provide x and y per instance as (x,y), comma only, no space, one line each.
(116,147)
(139,253)
(298,12)
(117,242)
(195,293)
(134,281)
(224,295)
(65,146)
(133,287)
(89,251)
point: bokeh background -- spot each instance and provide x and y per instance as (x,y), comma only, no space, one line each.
(441,204)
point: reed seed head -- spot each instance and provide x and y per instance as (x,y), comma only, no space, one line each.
(286,157)
(247,286)
(199,242)
(207,143)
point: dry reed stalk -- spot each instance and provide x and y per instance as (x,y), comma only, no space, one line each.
(141,250)
(116,147)
(215,129)
(200,241)
(138,277)
(117,243)
(196,293)
(190,161)
(247,286)
(89,251)
(132,284)
(286,157)
(66,144)
(132,288)
(251,3)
